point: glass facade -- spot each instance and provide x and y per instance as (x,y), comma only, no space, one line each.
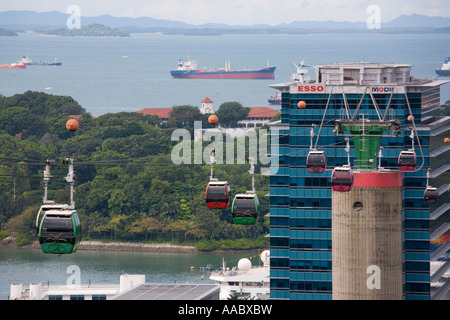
(300,202)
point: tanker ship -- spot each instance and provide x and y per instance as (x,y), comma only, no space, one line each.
(188,70)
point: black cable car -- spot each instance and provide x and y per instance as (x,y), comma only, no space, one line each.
(316,162)
(59,231)
(342,179)
(245,208)
(431,195)
(217,194)
(407,160)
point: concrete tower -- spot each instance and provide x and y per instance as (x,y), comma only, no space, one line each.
(367,258)
(367,238)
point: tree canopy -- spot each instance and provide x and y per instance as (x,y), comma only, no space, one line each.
(230,113)
(127,187)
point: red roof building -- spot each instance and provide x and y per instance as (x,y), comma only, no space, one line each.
(262,112)
(207,100)
(258,116)
(162,113)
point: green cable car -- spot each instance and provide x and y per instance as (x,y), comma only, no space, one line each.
(245,208)
(59,231)
(58,226)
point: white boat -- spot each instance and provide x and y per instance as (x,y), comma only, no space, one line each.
(445,70)
(244,281)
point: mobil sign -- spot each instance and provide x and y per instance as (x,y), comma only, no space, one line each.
(311,88)
(382,89)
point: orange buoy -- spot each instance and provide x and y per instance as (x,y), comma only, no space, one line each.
(410,118)
(213,119)
(447,140)
(301,104)
(72,125)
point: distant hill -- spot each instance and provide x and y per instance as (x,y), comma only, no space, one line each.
(93,30)
(59,19)
(24,19)
(5,32)
(416,20)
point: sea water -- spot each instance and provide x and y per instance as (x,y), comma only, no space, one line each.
(128,74)
(105,267)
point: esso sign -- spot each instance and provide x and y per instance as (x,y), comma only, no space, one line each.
(311,88)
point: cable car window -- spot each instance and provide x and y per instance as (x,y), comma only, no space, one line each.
(57,224)
(244,204)
(217,191)
(341,175)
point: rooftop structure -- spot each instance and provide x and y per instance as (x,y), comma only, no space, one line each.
(131,287)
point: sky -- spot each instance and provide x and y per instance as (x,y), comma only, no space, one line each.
(240,12)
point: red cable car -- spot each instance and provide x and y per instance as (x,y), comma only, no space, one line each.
(217,194)
(342,179)
(407,160)
(316,162)
(431,195)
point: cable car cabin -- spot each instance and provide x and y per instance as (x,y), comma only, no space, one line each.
(342,179)
(217,195)
(431,195)
(407,161)
(44,208)
(245,208)
(59,231)
(316,162)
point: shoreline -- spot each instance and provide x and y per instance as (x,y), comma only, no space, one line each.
(8,242)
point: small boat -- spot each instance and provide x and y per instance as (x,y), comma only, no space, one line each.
(276,99)
(445,70)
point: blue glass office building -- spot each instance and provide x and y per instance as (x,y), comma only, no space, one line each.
(300,202)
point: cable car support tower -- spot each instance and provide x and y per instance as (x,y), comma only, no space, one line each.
(367,260)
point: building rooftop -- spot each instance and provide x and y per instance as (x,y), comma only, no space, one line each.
(162,113)
(207,100)
(171,292)
(262,112)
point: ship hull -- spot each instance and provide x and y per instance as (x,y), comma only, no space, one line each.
(266,73)
(443,73)
(12,66)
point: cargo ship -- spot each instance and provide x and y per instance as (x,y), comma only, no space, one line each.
(28,61)
(445,70)
(13,66)
(188,70)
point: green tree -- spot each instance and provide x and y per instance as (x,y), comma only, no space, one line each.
(445,108)
(230,113)
(184,115)
(145,226)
